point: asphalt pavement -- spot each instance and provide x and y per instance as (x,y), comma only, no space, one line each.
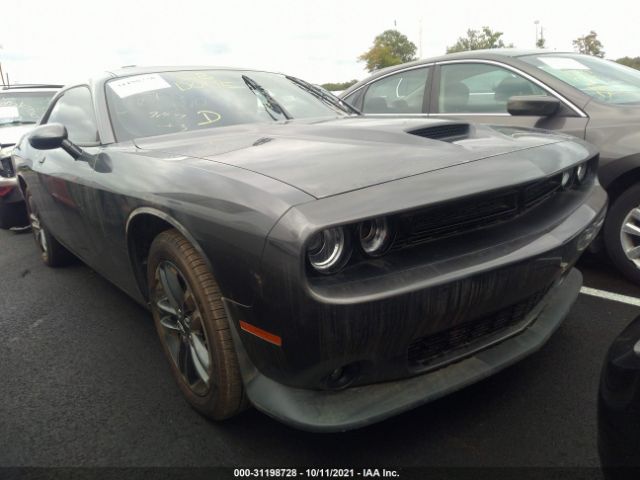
(83,382)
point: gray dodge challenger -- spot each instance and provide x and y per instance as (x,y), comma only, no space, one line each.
(329,268)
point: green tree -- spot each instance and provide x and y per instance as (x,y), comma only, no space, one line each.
(633,62)
(589,44)
(332,87)
(478,40)
(389,48)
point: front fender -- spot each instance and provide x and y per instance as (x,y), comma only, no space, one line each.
(612,170)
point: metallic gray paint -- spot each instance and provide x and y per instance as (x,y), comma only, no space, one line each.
(249,197)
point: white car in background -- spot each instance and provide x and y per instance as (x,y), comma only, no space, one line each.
(21,106)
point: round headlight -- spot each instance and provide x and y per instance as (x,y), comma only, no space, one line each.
(581,172)
(328,250)
(566,178)
(375,236)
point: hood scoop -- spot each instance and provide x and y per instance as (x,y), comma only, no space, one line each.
(449,132)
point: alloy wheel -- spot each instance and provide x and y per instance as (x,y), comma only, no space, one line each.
(182,326)
(630,236)
(38,232)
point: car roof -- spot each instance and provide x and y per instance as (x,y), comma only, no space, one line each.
(488,53)
(506,52)
(138,70)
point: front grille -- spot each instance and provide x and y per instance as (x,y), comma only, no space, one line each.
(541,191)
(6,168)
(423,352)
(448,132)
(464,216)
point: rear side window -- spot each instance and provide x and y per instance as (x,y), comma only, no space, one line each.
(401,92)
(75,111)
(480,88)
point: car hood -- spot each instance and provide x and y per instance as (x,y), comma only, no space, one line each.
(10,135)
(329,157)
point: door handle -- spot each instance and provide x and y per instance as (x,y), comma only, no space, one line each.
(42,159)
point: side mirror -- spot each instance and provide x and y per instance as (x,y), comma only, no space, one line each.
(52,136)
(533,105)
(48,137)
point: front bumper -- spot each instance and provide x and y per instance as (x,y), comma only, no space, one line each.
(328,411)
(324,330)
(372,325)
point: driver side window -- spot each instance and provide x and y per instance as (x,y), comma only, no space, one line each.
(75,111)
(402,92)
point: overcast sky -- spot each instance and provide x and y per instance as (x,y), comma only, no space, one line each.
(68,40)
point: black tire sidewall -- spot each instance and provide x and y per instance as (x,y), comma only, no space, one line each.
(32,208)
(209,404)
(620,208)
(56,254)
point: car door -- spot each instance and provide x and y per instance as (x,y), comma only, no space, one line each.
(63,182)
(401,93)
(478,91)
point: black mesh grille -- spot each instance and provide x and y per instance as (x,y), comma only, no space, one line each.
(425,351)
(464,216)
(540,191)
(448,132)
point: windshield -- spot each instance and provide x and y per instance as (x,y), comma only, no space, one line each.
(19,108)
(603,80)
(170,102)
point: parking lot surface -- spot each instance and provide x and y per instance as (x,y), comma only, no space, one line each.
(84,383)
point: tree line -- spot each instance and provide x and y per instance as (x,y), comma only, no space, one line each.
(393,48)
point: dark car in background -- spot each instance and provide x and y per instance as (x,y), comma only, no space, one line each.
(21,106)
(585,96)
(619,406)
(330,268)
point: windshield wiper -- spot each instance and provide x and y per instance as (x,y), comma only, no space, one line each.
(269,102)
(322,95)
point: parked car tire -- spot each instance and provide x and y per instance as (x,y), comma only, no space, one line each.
(13,215)
(52,252)
(193,327)
(622,233)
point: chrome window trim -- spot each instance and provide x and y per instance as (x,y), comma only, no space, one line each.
(500,114)
(401,70)
(534,80)
(395,114)
(474,114)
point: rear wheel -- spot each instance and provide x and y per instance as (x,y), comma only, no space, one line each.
(193,327)
(51,251)
(622,233)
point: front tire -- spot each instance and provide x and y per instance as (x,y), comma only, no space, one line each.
(52,252)
(622,233)
(193,327)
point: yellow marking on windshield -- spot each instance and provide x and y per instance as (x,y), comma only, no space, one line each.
(209,117)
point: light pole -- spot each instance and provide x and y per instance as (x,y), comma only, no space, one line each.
(537,22)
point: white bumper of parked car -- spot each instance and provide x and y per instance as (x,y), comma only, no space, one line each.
(8,182)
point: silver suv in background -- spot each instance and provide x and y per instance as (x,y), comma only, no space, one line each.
(21,106)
